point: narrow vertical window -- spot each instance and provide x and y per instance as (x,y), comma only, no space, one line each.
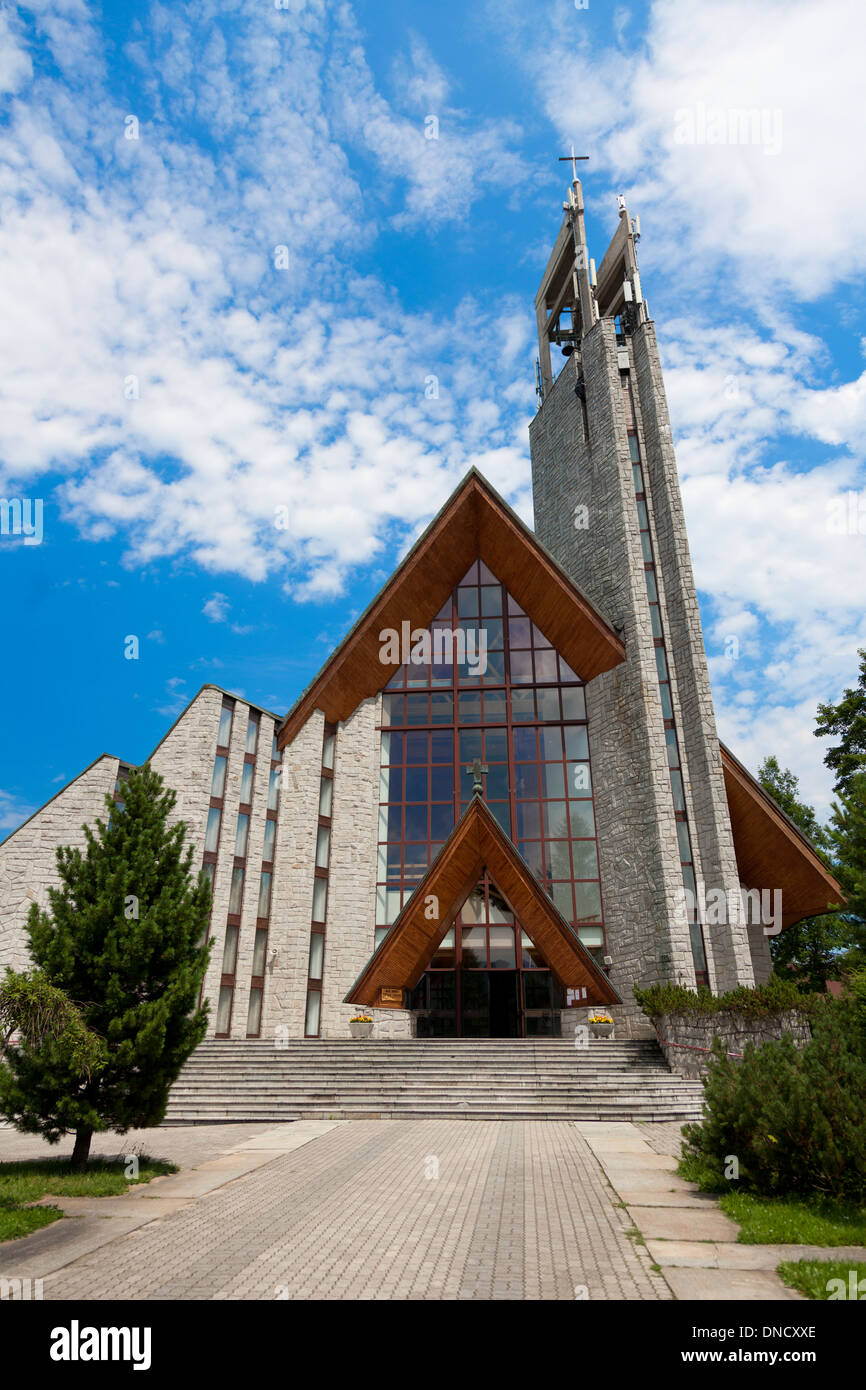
(315,965)
(225,729)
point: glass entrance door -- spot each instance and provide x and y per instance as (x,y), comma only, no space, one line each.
(487,979)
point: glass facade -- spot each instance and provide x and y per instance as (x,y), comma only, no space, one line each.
(521,715)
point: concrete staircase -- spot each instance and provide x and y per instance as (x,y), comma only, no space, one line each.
(473,1079)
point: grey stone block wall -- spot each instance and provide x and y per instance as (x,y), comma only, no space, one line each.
(687,1039)
(185,759)
(292,892)
(638,849)
(759,946)
(647,934)
(727,945)
(28,857)
(352,881)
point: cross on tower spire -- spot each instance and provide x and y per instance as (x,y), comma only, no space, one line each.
(572,160)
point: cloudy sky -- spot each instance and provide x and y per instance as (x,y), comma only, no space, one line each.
(232,258)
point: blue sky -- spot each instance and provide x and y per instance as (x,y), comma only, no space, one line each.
(167,383)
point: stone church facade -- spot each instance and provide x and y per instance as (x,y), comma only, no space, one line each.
(503,801)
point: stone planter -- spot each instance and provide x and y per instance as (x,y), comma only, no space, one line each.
(601,1030)
(361,1030)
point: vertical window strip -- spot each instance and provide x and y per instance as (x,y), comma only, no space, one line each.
(264,890)
(231,946)
(321,876)
(696,931)
(213,831)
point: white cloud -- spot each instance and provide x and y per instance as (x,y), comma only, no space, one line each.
(151,351)
(15,65)
(217,608)
(787,219)
(13,810)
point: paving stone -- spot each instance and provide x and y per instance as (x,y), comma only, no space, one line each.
(726,1285)
(709,1255)
(649,1197)
(519,1210)
(644,1160)
(683,1223)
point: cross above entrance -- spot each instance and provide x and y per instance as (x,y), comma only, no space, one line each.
(477,768)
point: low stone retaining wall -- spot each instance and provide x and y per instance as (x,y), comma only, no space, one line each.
(680,1033)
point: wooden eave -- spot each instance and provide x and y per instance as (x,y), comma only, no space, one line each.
(475,523)
(476,843)
(771,852)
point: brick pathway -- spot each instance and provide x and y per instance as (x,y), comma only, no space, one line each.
(426,1209)
(663,1138)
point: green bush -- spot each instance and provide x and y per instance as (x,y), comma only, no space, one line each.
(794,1118)
(776,996)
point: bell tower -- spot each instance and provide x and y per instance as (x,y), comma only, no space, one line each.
(608,508)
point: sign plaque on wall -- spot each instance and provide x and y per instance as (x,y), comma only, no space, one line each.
(390,996)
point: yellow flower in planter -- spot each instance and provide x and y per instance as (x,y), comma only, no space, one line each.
(601,1018)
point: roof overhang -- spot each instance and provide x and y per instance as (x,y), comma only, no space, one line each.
(475,523)
(476,843)
(771,852)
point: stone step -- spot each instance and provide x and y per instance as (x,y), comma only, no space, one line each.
(636,1076)
(618,1114)
(367,1098)
(519,1046)
(486,1078)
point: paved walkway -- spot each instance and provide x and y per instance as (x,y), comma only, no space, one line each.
(432,1209)
(426,1209)
(690,1239)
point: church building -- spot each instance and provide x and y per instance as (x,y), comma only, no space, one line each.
(502,802)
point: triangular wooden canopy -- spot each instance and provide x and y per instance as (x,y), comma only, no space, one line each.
(476,843)
(475,523)
(771,852)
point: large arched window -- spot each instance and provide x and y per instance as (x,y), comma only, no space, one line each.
(513,705)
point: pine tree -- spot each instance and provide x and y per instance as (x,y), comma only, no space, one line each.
(37,1010)
(847,720)
(812,951)
(847,834)
(124,938)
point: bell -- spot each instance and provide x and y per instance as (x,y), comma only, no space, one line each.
(568,349)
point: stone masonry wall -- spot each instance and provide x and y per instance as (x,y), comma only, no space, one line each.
(729,960)
(637,840)
(292,892)
(682,1032)
(28,862)
(352,883)
(759,946)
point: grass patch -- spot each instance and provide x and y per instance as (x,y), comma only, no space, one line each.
(810,1277)
(30,1181)
(20,1221)
(55,1177)
(792,1221)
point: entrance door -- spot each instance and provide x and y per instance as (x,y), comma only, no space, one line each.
(489,1004)
(504,1004)
(486,979)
